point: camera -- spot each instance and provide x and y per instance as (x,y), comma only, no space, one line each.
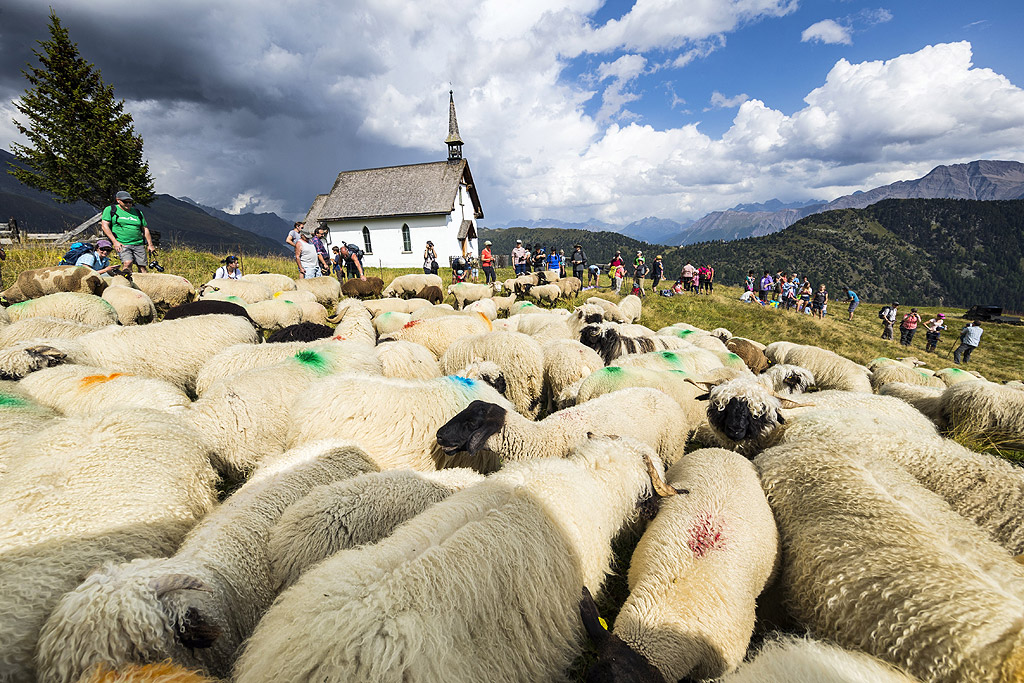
(155,265)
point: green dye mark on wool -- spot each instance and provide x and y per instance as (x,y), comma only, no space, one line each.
(235,300)
(681,373)
(314,361)
(683,334)
(732,358)
(9,401)
(611,370)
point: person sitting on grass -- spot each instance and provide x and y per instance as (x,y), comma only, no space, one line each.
(231,270)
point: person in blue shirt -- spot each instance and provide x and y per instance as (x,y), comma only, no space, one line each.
(98,259)
(970,337)
(554,262)
(853,300)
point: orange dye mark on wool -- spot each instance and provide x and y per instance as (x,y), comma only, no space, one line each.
(704,535)
(93,380)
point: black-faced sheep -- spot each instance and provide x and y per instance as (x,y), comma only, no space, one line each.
(123,485)
(506,435)
(302,332)
(354,512)
(695,574)
(198,605)
(519,356)
(434,600)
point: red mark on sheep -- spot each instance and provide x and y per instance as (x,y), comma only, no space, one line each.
(411,323)
(705,534)
(92,380)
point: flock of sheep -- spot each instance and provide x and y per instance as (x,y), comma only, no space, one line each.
(403,490)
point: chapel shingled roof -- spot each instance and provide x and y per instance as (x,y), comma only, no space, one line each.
(414,190)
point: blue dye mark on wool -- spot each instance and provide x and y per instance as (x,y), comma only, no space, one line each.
(464,381)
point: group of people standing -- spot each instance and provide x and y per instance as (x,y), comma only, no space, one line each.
(314,260)
(789,292)
(970,334)
(697,279)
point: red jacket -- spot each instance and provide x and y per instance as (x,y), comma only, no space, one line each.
(485,257)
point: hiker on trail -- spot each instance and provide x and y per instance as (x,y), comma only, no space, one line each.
(909,327)
(933,328)
(231,270)
(98,258)
(639,270)
(487,262)
(306,256)
(127,231)
(853,300)
(579,261)
(970,337)
(353,258)
(888,317)
(520,258)
(292,240)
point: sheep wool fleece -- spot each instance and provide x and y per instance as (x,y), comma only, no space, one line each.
(483,586)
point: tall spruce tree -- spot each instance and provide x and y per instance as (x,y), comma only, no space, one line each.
(82,144)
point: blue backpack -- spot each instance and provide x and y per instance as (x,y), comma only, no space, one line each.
(72,255)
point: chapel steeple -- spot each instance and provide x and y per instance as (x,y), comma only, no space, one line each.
(453,141)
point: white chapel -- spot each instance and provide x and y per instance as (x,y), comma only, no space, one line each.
(392,212)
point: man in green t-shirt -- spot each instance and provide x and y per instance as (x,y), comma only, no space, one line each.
(127,230)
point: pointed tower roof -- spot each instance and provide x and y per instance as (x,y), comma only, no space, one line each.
(454,141)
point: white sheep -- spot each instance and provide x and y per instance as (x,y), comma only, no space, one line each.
(484,306)
(43,328)
(542,325)
(241,357)
(313,312)
(504,303)
(630,307)
(353,512)
(689,359)
(78,390)
(522,284)
(677,384)
(274,281)
(246,416)
(354,322)
(198,605)
(566,361)
(611,312)
(172,350)
(546,294)
(524,307)
(85,491)
(20,416)
(467,292)
(438,334)
(274,314)
(133,306)
(898,372)
(701,338)
(519,356)
(296,296)
(166,290)
(88,309)
(993,410)
(926,399)
(390,321)
(951,376)
(612,340)
(325,288)
(411,285)
(246,290)
(505,435)
(802,660)
(875,562)
(482,586)
(695,574)
(406,360)
(831,371)
(378,306)
(570,286)
(395,421)
(439,311)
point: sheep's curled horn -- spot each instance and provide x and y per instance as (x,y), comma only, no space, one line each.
(657,483)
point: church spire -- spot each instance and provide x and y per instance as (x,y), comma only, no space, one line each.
(453,141)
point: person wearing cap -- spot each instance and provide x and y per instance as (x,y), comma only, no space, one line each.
(231,270)
(487,262)
(657,273)
(306,256)
(578,261)
(429,259)
(520,258)
(970,337)
(853,300)
(125,227)
(909,327)
(932,329)
(888,317)
(98,258)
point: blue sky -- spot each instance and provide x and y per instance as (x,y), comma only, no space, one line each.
(570,109)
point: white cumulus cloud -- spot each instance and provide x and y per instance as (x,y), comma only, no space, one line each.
(827,31)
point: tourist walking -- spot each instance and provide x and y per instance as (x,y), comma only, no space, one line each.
(970,337)
(618,275)
(888,317)
(932,330)
(657,273)
(126,229)
(520,258)
(853,300)
(709,282)
(487,262)
(909,327)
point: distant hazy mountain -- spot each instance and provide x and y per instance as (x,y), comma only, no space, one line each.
(775,205)
(656,230)
(268,225)
(175,220)
(985,180)
(592,224)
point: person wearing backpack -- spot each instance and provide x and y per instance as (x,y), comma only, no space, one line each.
(127,231)
(888,317)
(98,259)
(353,257)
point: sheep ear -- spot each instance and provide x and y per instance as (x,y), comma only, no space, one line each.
(703,397)
(592,619)
(47,354)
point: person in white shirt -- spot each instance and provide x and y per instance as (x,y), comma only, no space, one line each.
(231,270)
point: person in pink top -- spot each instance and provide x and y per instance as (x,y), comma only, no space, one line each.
(909,327)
